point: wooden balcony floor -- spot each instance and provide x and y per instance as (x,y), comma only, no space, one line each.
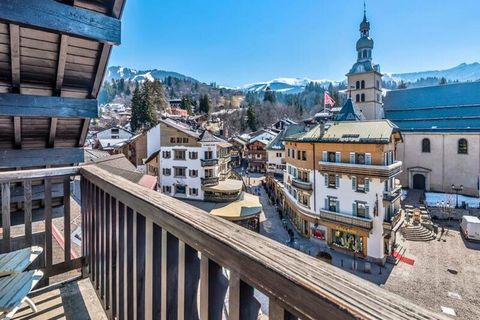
(73,300)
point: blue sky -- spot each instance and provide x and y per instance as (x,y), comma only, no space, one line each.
(233,42)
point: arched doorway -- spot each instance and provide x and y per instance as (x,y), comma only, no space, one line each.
(419,181)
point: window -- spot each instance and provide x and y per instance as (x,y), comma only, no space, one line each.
(293,153)
(360,209)
(378,84)
(303,176)
(357,85)
(185,140)
(166,189)
(288,152)
(462,146)
(193,155)
(279,154)
(360,184)
(357,98)
(193,173)
(180,171)
(304,155)
(208,173)
(172,139)
(166,171)
(180,189)
(332,204)
(166,154)
(115,131)
(363,97)
(299,154)
(378,97)
(208,155)
(426,145)
(331,157)
(332,181)
(360,158)
(363,84)
(193,191)
(179,154)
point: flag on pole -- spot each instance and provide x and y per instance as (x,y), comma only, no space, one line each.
(328,100)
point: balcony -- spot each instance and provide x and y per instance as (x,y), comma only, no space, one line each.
(209,181)
(362,169)
(145,255)
(304,185)
(393,220)
(392,195)
(347,220)
(209,162)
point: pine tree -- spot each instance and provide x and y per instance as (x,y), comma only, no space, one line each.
(159,98)
(251,118)
(137,110)
(205,104)
(150,98)
(269,96)
(144,114)
(402,85)
(443,80)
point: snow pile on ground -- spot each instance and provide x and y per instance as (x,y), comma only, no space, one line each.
(434,199)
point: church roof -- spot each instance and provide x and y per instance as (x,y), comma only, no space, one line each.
(349,112)
(443,108)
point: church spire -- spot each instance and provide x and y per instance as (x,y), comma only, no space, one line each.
(365,25)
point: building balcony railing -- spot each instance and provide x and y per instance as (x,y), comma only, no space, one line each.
(362,169)
(210,181)
(209,162)
(304,185)
(392,195)
(348,220)
(392,220)
(221,197)
(149,255)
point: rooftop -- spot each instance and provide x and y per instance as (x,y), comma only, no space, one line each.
(443,108)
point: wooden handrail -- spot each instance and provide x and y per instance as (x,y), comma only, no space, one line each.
(294,282)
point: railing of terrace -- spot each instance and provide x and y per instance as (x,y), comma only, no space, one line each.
(153,257)
(150,255)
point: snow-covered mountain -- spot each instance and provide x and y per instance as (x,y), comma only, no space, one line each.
(285,85)
(117,72)
(463,72)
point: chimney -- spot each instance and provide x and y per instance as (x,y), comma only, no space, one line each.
(322,128)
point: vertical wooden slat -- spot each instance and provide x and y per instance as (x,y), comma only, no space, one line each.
(114,255)
(6,216)
(234,296)
(276,311)
(204,264)
(217,289)
(134,265)
(107,253)
(96,244)
(140,267)
(66,216)
(17,128)
(121,261)
(15,56)
(101,246)
(27,210)
(48,224)
(84,223)
(149,269)
(129,263)
(163,281)
(172,276)
(192,277)
(181,280)
(157,267)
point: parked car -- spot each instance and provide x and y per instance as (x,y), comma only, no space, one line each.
(470,227)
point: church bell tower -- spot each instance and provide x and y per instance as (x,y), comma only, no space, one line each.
(364,79)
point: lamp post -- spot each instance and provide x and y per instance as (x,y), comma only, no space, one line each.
(457,189)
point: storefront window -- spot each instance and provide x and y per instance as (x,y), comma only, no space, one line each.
(347,241)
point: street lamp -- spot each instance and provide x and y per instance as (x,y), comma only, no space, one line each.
(457,189)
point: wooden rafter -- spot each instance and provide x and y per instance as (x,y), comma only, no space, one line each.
(17,125)
(15,56)
(83,134)
(62,59)
(62,18)
(101,66)
(53,131)
(41,106)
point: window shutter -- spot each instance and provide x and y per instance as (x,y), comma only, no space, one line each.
(326,204)
(385,158)
(326,180)
(337,181)
(367,211)
(368,158)
(352,157)
(391,157)
(367,184)
(354,183)
(354,209)
(338,157)
(338,206)
(324,156)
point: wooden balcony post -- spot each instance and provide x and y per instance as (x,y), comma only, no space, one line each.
(6,216)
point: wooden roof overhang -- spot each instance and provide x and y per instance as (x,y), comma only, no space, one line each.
(53,57)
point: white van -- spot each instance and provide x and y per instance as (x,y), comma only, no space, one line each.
(470,226)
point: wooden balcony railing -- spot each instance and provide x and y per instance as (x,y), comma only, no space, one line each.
(208,162)
(150,256)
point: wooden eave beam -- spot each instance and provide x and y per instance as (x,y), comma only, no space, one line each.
(41,106)
(53,132)
(83,134)
(12,158)
(62,60)
(17,125)
(62,18)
